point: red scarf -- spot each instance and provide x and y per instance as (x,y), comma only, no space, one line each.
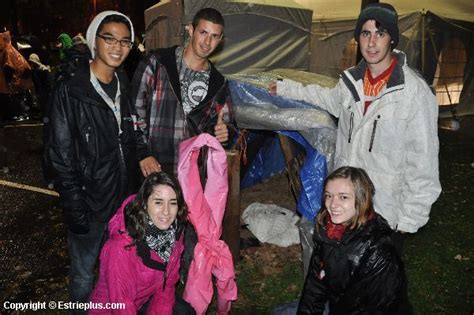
(335,231)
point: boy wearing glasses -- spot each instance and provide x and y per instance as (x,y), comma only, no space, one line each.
(92,144)
(178,93)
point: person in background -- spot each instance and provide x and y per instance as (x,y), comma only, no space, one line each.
(92,145)
(79,48)
(15,80)
(179,93)
(139,263)
(64,43)
(41,75)
(355,268)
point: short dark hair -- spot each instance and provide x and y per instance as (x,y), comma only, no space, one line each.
(364,192)
(114,18)
(136,212)
(208,14)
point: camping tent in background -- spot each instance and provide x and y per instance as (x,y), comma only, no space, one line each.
(316,36)
(248,28)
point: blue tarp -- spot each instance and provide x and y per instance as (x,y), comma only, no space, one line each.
(269,160)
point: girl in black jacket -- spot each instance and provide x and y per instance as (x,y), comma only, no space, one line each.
(354,268)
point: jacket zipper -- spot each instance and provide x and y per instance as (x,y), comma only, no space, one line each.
(351,126)
(122,158)
(372,136)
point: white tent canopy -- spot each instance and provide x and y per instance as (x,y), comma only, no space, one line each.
(315,35)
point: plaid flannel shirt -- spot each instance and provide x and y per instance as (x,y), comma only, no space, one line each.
(156,94)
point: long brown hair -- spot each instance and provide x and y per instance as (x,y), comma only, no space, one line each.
(136,211)
(364,192)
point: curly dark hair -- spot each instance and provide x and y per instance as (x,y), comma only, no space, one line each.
(136,211)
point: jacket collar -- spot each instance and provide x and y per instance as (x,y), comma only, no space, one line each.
(167,57)
(377,226)
(355,74)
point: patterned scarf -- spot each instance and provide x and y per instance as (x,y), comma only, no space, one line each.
(160,241)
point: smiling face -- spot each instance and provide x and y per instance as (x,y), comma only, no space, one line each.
(111,56)
(162,206)
(339,199)
(375,47)
(204,38)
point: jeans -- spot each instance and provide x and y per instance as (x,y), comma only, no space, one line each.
(84,249)
(405,306)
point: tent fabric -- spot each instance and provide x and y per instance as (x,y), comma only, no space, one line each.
(255,108)
(247,46)
(212,257)
(313,172)
(311,35)
(249,25)
(337,10)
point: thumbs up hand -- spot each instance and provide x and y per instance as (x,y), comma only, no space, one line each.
(220,130)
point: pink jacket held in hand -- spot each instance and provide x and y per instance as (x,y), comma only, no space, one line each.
(206,208)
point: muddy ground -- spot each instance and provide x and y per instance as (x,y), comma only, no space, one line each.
(34,260)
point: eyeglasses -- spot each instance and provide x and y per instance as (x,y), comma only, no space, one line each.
(110,40)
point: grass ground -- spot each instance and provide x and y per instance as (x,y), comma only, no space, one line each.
(438,258)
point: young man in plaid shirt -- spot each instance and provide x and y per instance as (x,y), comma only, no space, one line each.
(178,93)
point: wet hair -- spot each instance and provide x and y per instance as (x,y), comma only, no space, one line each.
(364,192)
(136,212)
(208,14)
(114,18)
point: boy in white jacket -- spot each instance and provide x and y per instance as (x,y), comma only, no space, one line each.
(387,122)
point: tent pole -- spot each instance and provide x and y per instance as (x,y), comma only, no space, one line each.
(231,222)
(423,44)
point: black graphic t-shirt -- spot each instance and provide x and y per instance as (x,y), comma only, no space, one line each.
(194,84)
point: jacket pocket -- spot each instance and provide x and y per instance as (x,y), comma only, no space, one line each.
(387,132)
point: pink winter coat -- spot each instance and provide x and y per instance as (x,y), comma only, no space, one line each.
(125,279)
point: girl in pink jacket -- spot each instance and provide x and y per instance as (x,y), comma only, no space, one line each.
(140,261)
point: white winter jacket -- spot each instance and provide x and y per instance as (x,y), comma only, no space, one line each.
(396,141)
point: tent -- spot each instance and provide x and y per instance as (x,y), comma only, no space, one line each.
(246,46)
(316,36)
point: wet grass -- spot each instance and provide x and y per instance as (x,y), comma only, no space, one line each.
(438,258)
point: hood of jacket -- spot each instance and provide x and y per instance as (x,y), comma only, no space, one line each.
(117,228)
(94,26)
(66,43)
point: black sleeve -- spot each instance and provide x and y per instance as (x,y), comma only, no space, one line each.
(60,156)
(314,295)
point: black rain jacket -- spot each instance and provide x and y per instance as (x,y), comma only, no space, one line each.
(92,168)
(361,274)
